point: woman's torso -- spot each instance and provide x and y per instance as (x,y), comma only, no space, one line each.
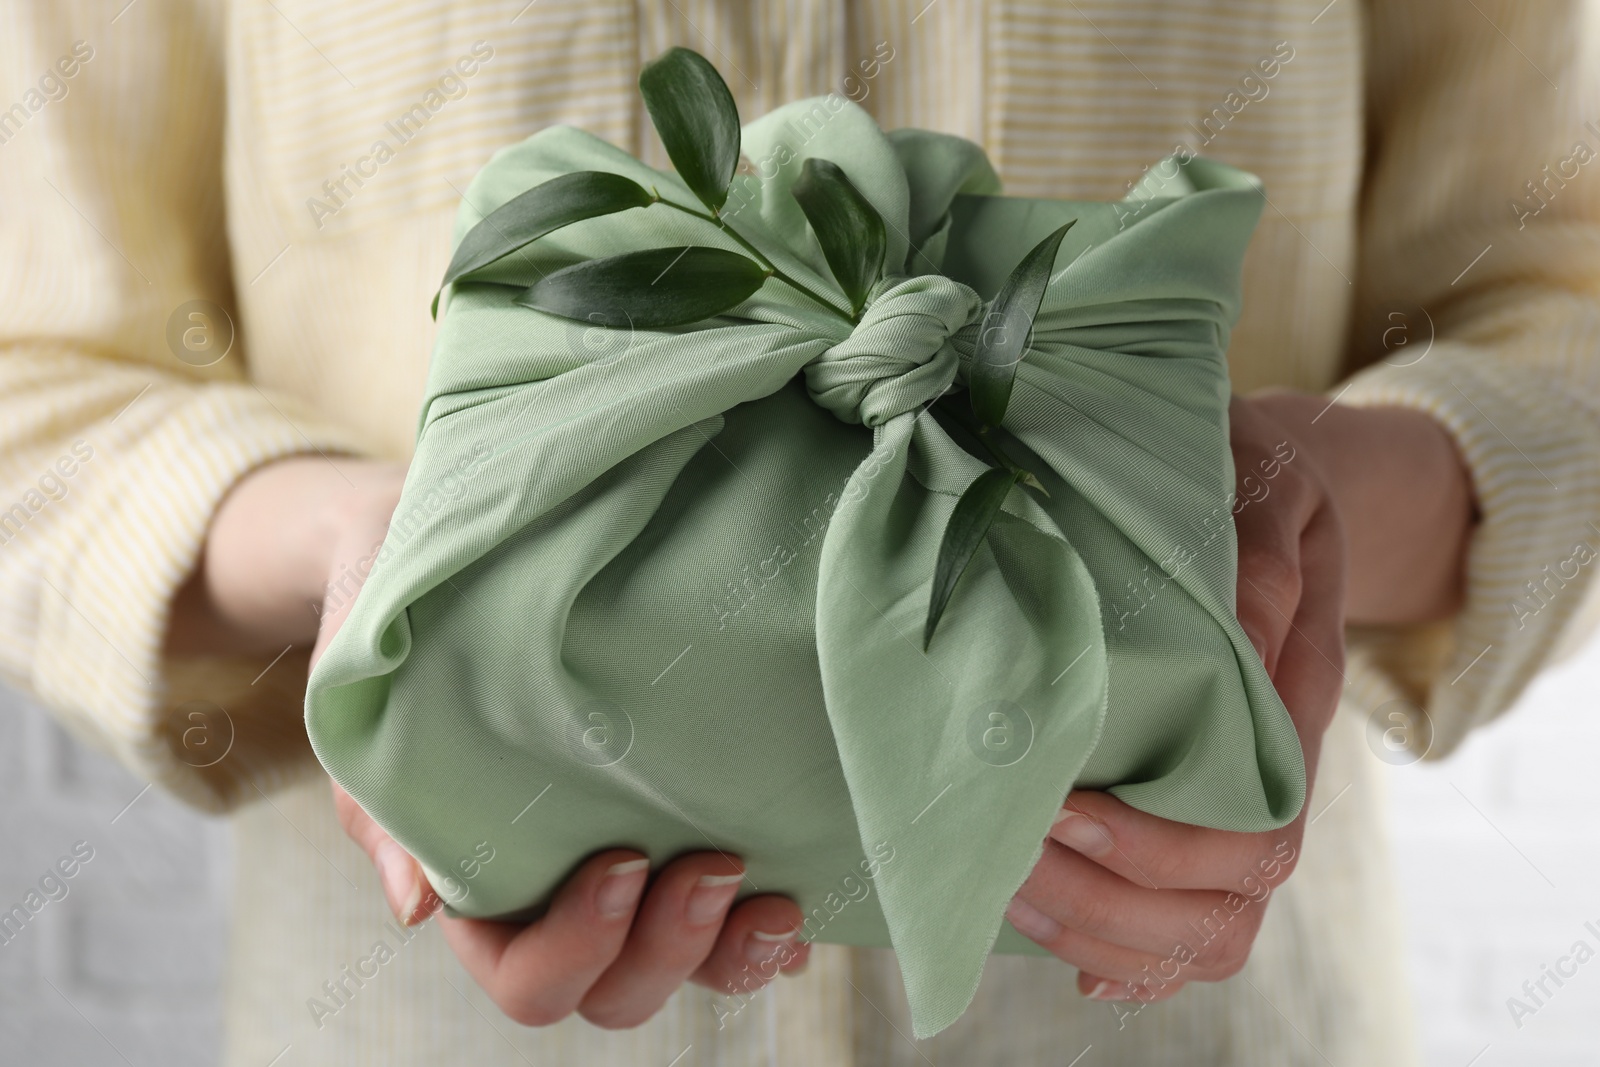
(352,131)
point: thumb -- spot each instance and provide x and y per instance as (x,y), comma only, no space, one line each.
(334,612)
(355,552)
(410,897)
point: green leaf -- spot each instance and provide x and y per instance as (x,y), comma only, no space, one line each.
(968,524)
(695,115)
(1003,335)
(545,208)
(649,289)
(848,228)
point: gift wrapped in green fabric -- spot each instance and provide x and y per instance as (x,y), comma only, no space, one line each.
(666,588)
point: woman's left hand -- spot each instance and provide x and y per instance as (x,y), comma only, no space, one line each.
(1141,905)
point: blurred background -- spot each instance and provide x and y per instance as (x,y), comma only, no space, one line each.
(1499,867)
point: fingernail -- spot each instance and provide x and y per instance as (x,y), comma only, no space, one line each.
(1107,990)
(762,947)
(620,888)
(401,884)
(1032,922)
(711,897)
(1080,833)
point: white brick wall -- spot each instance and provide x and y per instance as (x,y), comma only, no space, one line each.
(135,948)
(1483,913)
(126,967)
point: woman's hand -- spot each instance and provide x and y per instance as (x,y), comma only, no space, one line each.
(270,553)
(286,556)
(610,948)
(1342,514)
(1406,496)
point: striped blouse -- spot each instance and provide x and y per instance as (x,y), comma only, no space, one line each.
(220,226)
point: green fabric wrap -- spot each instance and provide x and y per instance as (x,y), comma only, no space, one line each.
(665,589)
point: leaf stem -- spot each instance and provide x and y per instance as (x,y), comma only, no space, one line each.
(963,417)
(1023,474)
(766,264)
(999,457)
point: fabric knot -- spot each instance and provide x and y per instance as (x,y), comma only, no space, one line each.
(899,357)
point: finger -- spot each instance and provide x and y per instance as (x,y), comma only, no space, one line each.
(759,941)
(1267,594)
(1157,853)
(1267,528)
(405,887)
(674,932)
(1209,927)
(358,544)
(1269,577)
(1116,962)
(539,972)
(1310,676)
(1095,987)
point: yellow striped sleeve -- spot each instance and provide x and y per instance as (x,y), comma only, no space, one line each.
(1481,250)
(116,443)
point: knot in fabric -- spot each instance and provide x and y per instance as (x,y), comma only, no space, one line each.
(899,357)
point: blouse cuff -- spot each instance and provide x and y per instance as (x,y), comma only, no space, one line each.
(211,730)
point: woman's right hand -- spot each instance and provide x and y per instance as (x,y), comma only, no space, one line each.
(615,943)
(284,561)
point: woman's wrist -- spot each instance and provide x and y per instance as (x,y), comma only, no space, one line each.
(1406,497)
(268,552)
